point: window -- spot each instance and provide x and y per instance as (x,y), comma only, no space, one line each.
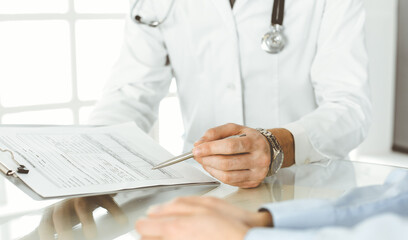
(52,56)
(55,59)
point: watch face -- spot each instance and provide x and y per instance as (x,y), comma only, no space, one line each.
(277,162)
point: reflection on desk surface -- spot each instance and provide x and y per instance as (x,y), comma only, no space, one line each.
(110,217)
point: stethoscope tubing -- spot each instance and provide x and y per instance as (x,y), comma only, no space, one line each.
(138,19)
(272,42)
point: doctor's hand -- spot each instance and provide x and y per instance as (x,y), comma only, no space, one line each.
(199,218)
(62,217)
(243,162)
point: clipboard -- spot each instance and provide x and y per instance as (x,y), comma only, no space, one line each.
(22,169)
(12,175)
(11,169)
(16,181)
(136,192)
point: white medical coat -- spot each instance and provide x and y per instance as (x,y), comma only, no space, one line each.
(316,87)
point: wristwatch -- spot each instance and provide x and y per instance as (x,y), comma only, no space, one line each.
(277,155)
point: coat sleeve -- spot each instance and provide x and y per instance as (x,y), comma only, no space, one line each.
(339,76)
(140,79)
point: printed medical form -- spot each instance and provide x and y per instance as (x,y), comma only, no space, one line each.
(67,161)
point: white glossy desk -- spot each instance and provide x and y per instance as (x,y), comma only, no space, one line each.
(322,180)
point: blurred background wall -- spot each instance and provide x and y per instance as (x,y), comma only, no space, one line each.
(382,34)
(401,104)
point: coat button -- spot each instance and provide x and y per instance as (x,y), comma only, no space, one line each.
(231,86)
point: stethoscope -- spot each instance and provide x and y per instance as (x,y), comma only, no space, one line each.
(272,42)
(138,19)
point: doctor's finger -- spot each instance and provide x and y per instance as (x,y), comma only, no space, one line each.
(220,132)
(113,208)
(230,162)
(224,147)
(84,209)
(63,221)
(233,178)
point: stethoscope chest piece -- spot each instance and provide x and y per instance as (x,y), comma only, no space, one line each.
(274,41)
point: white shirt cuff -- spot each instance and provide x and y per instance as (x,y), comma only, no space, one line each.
(305,153)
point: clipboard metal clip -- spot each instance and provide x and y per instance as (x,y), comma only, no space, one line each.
(20,169)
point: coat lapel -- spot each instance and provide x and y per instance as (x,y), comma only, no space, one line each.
(224,9)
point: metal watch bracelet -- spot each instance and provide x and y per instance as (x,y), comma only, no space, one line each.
(275,148)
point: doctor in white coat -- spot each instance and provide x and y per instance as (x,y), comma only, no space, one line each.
(313,95)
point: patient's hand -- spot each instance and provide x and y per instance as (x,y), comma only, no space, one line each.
(199,218)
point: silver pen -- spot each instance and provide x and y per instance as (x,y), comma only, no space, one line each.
(184,156)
